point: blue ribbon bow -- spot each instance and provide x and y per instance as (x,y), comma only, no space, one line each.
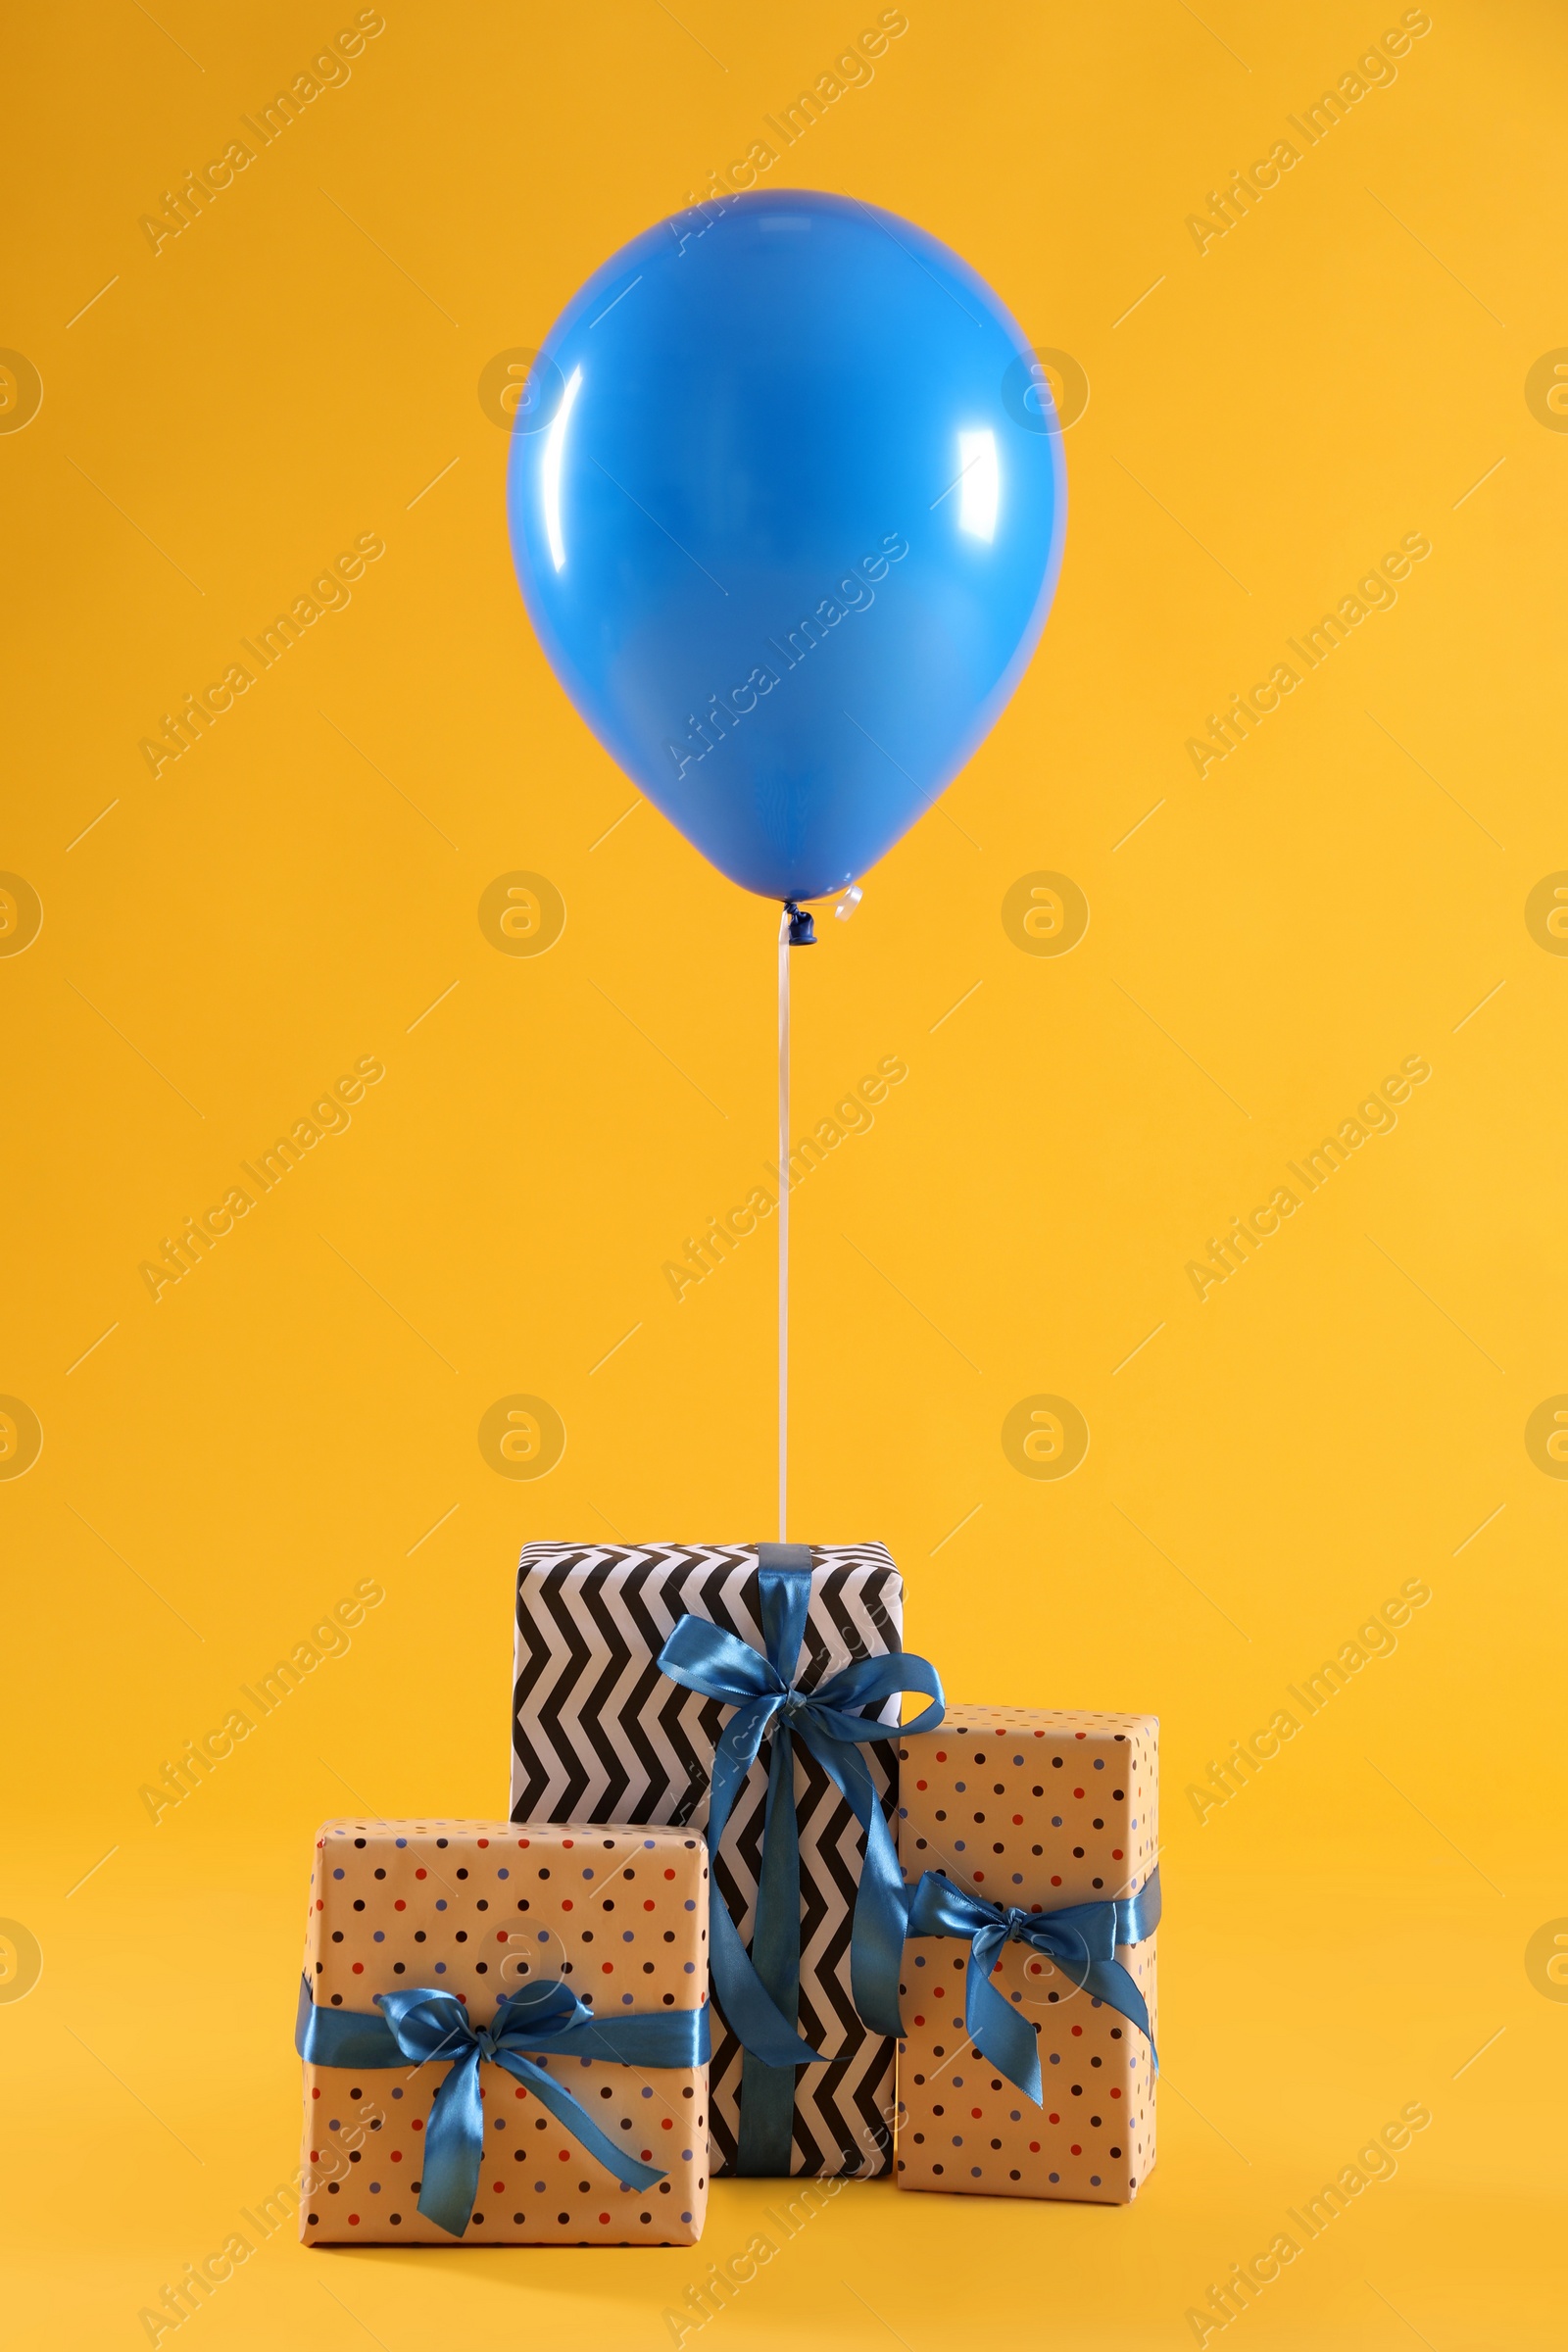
(543,2018)
(1081,1938)
(758,1993)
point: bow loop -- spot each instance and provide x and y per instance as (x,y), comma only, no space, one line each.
(542,2007)
(426,2022)
(705,1657)
(865,1682)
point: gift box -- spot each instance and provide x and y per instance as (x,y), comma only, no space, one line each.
(599,1732)
(505,2035)
(1030,1838)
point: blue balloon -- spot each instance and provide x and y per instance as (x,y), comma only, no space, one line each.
(787,505)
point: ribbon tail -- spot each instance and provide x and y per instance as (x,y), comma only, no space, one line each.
(453,2146)
(628,2169)
(1108,1981)
(776,1935)
(1084,1927)
(995,2026)
(881,1904)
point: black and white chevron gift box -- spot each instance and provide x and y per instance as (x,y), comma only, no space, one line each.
(599,1735)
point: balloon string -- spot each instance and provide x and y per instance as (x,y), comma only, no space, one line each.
(783,1222)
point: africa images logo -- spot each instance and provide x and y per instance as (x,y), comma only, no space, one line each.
(523,1437)
(21,1437)
(1229,1252)
(854,594)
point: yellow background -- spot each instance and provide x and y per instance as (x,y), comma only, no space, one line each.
(295,370)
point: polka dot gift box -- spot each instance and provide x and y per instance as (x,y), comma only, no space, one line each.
(505,2034)
(1031,1813)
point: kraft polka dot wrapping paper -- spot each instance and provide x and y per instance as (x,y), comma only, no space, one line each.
(1025,1807)
(477,1909)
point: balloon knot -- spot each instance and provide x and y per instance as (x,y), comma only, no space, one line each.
(802,931)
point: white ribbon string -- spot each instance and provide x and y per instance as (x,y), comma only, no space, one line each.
(783,1224)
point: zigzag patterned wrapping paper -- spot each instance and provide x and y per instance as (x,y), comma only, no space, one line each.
(599,1735)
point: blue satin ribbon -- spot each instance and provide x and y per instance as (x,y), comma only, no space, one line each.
(541,2019)
(1081,1938)
(758,1993)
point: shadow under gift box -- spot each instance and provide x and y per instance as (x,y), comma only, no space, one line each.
(1023,1807)
(599,1733)
(480,1909)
